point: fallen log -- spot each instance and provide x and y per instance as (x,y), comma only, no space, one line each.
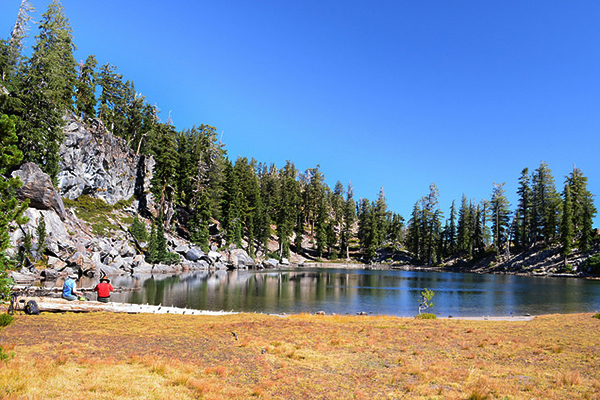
(51,304)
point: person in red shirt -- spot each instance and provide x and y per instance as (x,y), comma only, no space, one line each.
(104,288)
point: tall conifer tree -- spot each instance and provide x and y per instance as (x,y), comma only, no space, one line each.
(566,226)
(85,87)
(500,209)
(49,89)
(523,235)
(583,208)
(11,210)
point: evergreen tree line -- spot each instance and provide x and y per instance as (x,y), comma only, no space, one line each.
(542,215)
(193,179)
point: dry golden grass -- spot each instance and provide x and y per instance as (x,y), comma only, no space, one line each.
(117,356)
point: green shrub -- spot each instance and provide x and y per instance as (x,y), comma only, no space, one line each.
(597,316)
(425,301)
(4,356)
(426,316)
(172,258)
(121,204)
(138,230)
(95,211)
(6,319)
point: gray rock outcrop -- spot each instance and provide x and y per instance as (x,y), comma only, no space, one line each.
(270,263)
(239,259)
(99,164)
(38,188)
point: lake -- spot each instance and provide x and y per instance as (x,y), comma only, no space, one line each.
(377,292)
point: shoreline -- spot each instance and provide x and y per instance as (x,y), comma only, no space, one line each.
(59,305)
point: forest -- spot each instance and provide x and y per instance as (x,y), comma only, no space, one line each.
(248,201)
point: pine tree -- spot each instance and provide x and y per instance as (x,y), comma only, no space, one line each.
(321,225)
(11,51)
(165,170)
(199,231)
(288,203)
(566,226)
(85,89)
(152,250)
(335,226)
(583,208)
(349,219)
(414,237)
(545,204)
(138,230)
(49,88)
(451,236)
(161,239)
(478,235)
(41,237)
(431,225)
(157,247)
(523,233)
(250,201)
(395,230)
(113,99)
(464,228)
(366,229)
(269,189)
(312,196)
(11,211)
(500,209)
(382,219)
(231,207)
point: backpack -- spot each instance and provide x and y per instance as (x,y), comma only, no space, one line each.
(31,308)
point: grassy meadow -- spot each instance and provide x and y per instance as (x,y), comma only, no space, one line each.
(145,356)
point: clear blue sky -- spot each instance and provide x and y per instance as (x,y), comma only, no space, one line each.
(392,94)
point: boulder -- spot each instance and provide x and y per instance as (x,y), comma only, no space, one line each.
(239,258)
(182,249)
(270,263)
(126,250)
(38,188)
(140,266)
(56,263)
(214,256)
(219,265)
(194,254)
(111,270)
(58,240)
(49,274)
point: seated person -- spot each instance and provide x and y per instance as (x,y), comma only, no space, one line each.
(70,288)
(104,288)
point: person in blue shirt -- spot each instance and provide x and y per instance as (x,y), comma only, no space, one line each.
(70,288)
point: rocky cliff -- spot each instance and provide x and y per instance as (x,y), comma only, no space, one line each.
(97,165)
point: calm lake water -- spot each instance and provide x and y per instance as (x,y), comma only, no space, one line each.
(348,291)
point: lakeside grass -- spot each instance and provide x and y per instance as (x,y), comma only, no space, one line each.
(145,356)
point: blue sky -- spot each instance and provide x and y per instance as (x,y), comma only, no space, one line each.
(392,94)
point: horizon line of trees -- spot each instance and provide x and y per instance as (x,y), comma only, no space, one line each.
(489,226)
(197,186)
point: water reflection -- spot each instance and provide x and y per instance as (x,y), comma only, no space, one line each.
(347,291)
